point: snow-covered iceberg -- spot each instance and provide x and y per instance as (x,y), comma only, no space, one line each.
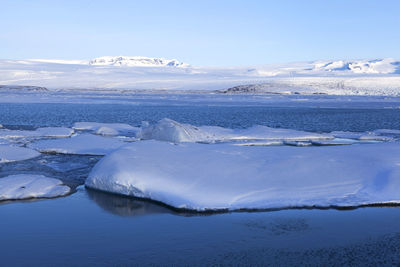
(172,131)
(224,176)
(106,128)
(14,153)
(25,186)
(84,144)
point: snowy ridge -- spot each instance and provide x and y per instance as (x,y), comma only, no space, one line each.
(378,66)
(136,62)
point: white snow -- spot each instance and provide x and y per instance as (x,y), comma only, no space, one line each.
(346,77)
(84,144)
(224,176)
(106,128)
(13,153)
(172,131)
(25,186)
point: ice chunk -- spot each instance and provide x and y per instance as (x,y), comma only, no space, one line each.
(172,131)
(224,176)
(84,144)
(24,186)
(14,153)
(106,128)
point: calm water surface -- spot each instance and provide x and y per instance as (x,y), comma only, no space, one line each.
(92,228)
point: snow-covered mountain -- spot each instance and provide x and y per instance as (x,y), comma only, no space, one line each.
(377,66)
(343,77)
(136,62)
(330,68)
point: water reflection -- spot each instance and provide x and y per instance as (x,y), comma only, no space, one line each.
(125,206)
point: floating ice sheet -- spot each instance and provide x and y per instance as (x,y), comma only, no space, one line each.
(224,176)
(362,136)
(84,144)
(55,132)
(13,153)
(25,186)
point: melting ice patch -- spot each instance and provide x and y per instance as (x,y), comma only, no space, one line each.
(172,131)
(106,128)
(224,176)
(25,186)
(84,144)
(14,153)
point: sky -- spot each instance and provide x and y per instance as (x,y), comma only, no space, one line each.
(202,32)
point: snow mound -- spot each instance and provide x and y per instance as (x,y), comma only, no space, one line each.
(111,129)
(172,131)
(84,144)
(223,176)
(25,186)
(136,62)
(14,153)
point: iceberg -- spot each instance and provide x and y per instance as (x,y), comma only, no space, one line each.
(106,128)
(15,153)
(83,144)
(223,176)
(172,131)
(25,186)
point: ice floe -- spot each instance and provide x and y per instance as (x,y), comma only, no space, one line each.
(387,131)
(25,186)
(84,144)
(335,142)
(224,176)
(362,136)
(106,128)
(172,131)
(53,132)
(13,153)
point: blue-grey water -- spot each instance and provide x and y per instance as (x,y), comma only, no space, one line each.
(91,228)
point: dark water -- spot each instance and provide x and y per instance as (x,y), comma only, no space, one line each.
(95,229)
(91,228)
(300,118)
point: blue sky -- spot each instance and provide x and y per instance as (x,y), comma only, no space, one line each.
(201,32)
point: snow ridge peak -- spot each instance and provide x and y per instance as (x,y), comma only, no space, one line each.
(136,61)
